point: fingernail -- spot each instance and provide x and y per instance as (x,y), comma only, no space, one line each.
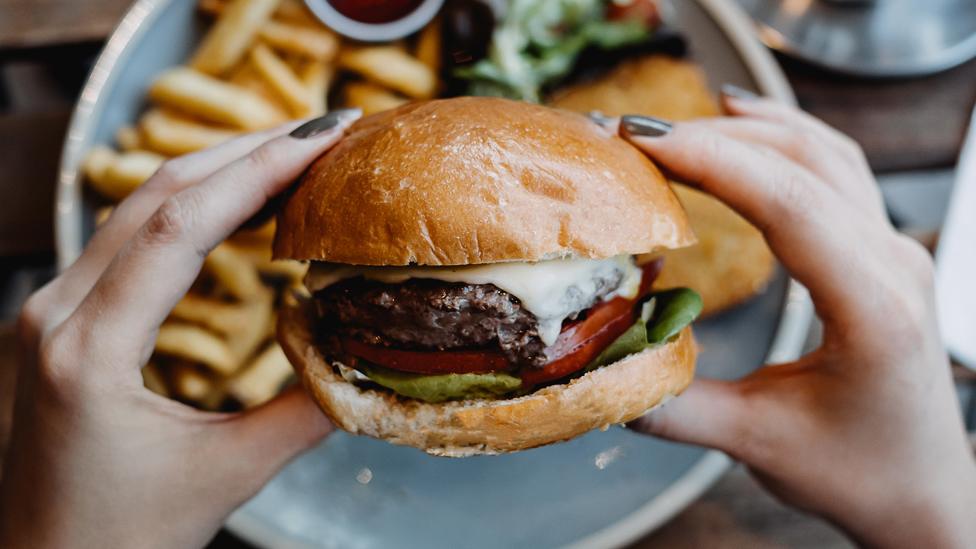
(731,90)
(600,119)
(645,126)
(325,123)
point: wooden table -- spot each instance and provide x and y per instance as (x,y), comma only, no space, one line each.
(901,124)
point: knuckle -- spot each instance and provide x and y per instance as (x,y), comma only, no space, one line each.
(261,159)
(171,222)
(917,260)
(56,358)
(170,175)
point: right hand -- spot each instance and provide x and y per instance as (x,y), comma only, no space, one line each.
(866,430)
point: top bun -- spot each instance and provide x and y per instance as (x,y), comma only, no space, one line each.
(478,180)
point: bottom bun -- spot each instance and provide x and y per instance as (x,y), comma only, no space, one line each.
(616,393)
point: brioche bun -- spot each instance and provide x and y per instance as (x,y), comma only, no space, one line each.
(478,180)
(616,393)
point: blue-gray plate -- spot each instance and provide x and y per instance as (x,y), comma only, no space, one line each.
(601,490)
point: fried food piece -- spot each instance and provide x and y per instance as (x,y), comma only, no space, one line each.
(658,85)
(731,261)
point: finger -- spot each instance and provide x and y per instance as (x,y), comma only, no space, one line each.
(739,104)
(156,267)
(62,296)
(806,225)
(709,413)
(811,152)
(265,439)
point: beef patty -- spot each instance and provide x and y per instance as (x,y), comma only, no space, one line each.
(429,314)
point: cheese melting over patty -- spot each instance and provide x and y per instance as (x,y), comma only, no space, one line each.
(551,290)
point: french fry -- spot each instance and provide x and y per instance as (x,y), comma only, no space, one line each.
(212,7)
(189,382)
(234,273)
(254,325)
(371,98)
(215,314)
(116,175)
(391,67)
(260,381)
(317,43)
(295,11)
(317,77)
(282,80)
(228,39)
(261,236)
(171,134)
(97,163)
(260,256)
(201,95)
(197,345)
(128,138)
(292,11)
(102,214)
(153,380)
(428,49)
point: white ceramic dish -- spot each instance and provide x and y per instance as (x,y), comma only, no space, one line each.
(602,490)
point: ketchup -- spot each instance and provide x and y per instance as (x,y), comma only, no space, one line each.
(375,11)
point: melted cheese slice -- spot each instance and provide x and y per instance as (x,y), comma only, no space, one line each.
(550,290)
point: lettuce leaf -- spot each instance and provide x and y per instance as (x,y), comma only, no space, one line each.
(439,388)
(662,318)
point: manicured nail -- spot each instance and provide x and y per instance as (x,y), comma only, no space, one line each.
(600,119)
(325,123)
(644,126)
(731,90)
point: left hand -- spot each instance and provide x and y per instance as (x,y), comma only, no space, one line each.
(96,460)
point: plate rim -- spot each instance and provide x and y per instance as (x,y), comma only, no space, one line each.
(795,317)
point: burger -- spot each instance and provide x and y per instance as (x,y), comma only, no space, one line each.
(472,286)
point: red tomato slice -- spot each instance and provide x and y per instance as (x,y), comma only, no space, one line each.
(604,323)
(428,362)
(578,344)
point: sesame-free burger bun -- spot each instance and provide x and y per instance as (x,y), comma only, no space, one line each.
(478,180)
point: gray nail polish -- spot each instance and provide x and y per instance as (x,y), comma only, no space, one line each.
(645,126)
(325,123)
(731,90)
(599,118)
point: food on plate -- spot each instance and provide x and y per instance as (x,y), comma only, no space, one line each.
(473,284)
(731,262)
(538,41)
(115,175)
(392,67)
(264,62)
(228,40)
(658,85)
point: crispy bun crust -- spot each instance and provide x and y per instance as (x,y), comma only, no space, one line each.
(478,180)
(616,393)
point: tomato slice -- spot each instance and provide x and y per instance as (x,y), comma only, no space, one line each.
(578,344)
(428,362)
(582,342)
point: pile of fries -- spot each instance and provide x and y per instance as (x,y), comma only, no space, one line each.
(262,63)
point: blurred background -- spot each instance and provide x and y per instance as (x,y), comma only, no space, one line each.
(897,76)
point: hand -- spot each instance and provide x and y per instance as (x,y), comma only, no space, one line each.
(866,430)
(96,460)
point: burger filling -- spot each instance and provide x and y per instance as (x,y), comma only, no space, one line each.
(443,333)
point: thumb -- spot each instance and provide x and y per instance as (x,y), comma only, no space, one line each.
(709,413)
(265,439)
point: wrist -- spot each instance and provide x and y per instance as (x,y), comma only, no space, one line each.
(930,515)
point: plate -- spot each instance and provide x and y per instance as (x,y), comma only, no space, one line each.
(604,489)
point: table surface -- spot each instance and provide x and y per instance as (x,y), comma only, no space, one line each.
(902,124)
